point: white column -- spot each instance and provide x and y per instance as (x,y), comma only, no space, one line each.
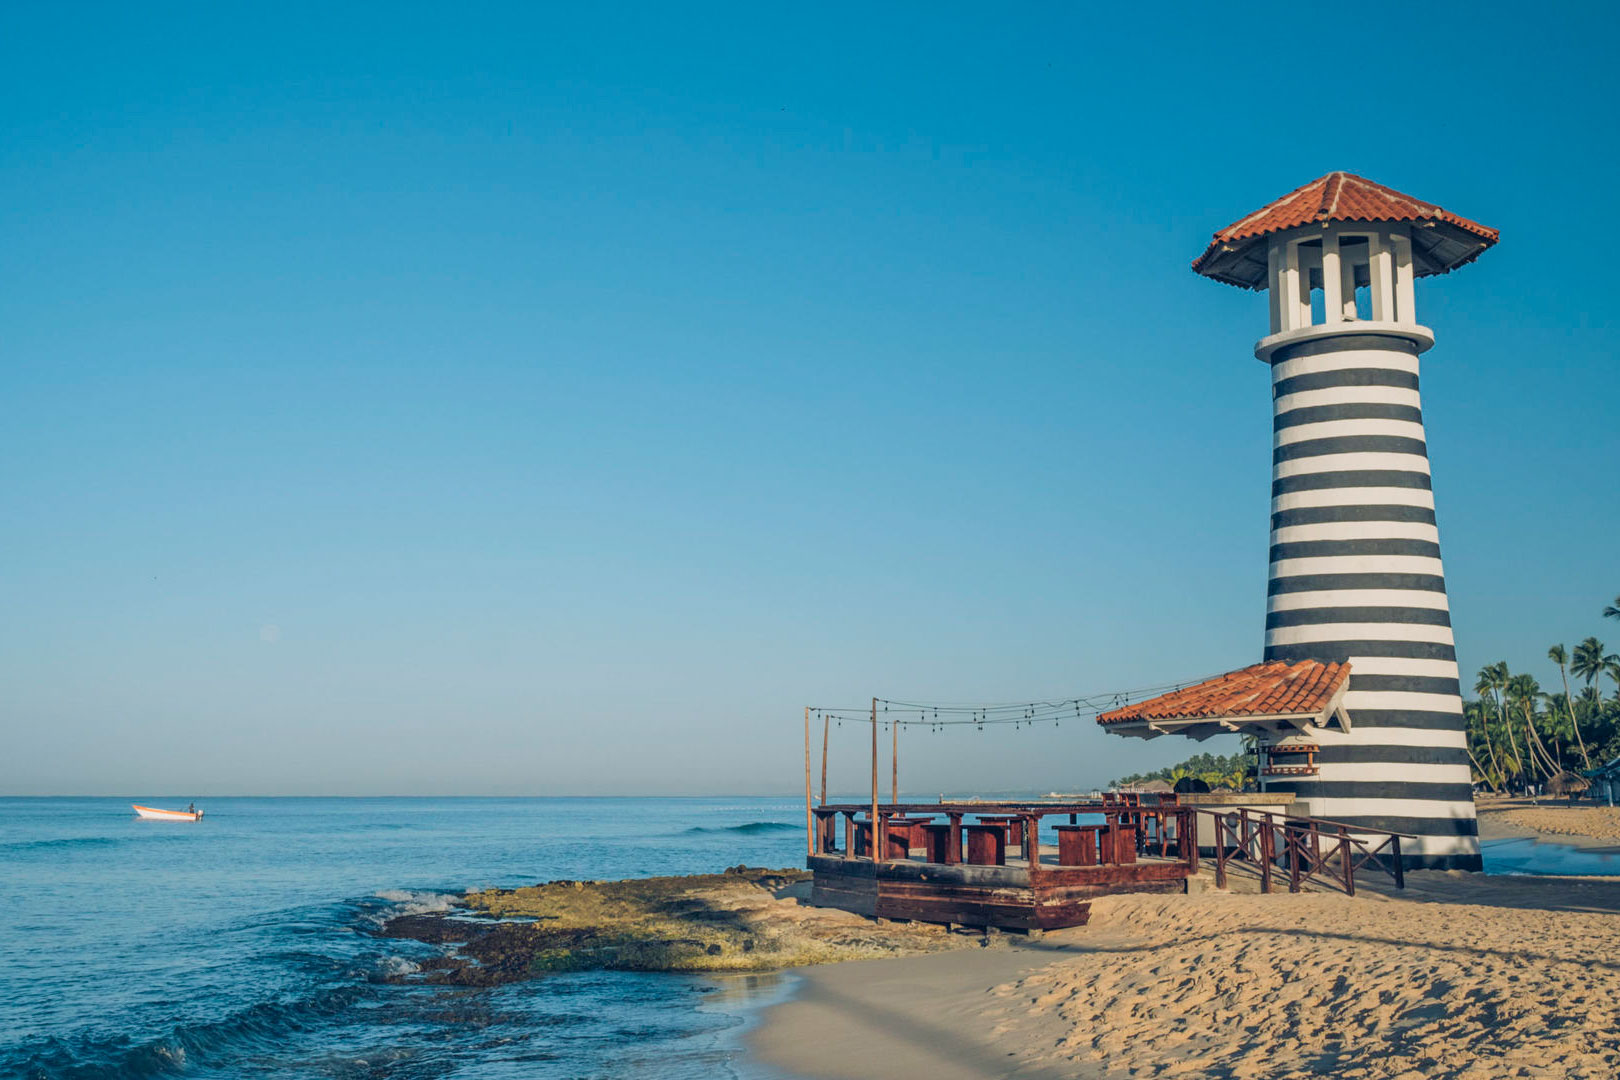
(1383,277)
(1332,279)
(1405,302)
(1274,284)
(1347,287)
(1290,286)
(1310,258)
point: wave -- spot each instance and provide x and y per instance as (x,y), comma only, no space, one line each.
(415,902)
(257,1029)
(752,827)
(65,843)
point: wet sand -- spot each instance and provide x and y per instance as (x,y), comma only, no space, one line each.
(1462,976)
(1552,821)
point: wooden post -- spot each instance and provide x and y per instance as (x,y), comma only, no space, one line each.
(809,816)
(1221,826)
(1268,853)
(956,835)
(1345,866)
(1293,843)
(875,838)
(894,762)
(1400,870)
(1188,830)
(826,722)
(1032,845)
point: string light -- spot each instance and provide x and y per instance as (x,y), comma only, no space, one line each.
(937,716)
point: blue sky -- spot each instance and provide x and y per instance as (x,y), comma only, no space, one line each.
(544,399)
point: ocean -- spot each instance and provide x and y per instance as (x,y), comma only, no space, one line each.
(242,945)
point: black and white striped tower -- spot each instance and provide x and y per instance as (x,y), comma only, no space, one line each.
(1355,552)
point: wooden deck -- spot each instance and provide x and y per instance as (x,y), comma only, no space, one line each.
(996,871)
(1017,886)
(998,896)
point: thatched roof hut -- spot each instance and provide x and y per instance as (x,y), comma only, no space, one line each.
(1568,783)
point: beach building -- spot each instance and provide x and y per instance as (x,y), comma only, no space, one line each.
(1355,707)
(1605,781)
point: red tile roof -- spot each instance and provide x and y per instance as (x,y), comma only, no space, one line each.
(1276,688)
(1342,196)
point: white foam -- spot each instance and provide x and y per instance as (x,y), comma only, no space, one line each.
(411,902)
(397,966)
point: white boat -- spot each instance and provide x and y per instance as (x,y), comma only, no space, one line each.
(152,813)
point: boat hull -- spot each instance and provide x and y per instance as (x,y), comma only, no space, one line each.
(152,813)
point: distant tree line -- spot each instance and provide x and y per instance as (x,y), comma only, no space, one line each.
(1520,735)
(1229,771)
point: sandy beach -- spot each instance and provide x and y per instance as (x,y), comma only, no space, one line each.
(1553,821)
(1462,976)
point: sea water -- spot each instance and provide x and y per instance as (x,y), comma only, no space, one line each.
(1531,855)
(244,944)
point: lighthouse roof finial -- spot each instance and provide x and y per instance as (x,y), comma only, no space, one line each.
(1442,241)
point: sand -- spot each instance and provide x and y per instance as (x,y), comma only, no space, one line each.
(1588,822)
(1464,977)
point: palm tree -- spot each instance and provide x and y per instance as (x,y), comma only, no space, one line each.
(1493,680)
(1589,659)
(1474,712)
(1591,702)
(1558,656)
(1523,692)
(1612,611)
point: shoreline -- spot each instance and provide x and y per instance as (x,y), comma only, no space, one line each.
(1494,824)
(1465,976)
(911,1018)
(744,998)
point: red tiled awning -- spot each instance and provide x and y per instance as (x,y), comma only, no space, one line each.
(1443,242)
(1275,695)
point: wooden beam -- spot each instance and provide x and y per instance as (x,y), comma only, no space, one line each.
(876,840)
(826,722)
(894,762)
(809,814)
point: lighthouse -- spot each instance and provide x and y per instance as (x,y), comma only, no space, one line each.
(1355,570)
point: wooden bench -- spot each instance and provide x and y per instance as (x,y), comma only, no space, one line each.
(942,844)
(1077,845)
(1015,826)
(1119,844)
(985,844)
(898,845)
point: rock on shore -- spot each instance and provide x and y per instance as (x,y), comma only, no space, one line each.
(740,920)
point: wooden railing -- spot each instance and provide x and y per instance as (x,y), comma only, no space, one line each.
(1308,850)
